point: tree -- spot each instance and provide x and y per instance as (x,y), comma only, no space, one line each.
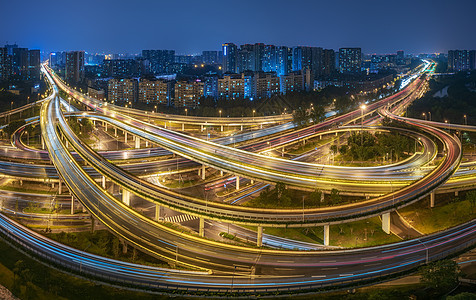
(300,117)
(14,125)
(280,189)
(335,196)
(317,114)
(440,275)
(334,149)
(471,197)
(462,296)
(315,197)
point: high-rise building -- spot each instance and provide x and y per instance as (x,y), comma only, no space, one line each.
(461,60)
(210,88)
(266,84)
(211,57)
(400,57)
(160,60)
(121,68)
(74,66)
(154,91)
(292,82)
(230,52)
(122,90)
(5,64)
(350,60)
(188,93)
(328,65)
(231,86)
(245,59)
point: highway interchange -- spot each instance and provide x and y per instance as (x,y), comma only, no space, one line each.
(225,267)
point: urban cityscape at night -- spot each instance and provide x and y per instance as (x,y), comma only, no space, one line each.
(216,149)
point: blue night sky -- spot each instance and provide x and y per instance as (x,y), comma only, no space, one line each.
(189,27)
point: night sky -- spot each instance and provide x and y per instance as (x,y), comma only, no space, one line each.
(416,26)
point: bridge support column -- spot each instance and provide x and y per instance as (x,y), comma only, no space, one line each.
(60,187)
(72,205)
(261,126)
(432,199)
(241,128)
(137,142)
(125,136)
(42,143)
(103,182)
(201,227)
(67,145)
(221,128)
(203,172)
(326,235)
(115,131)
(386,222)
(237,182)
(259,238)
(126,197)
(201,127)
(124,246)
(252,181)
(183,126)
(93,224)
(322,196)
(456,193)
(147,143)
(158,211)
(221,172)
(105,126)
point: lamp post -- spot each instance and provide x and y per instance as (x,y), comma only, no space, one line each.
(465,120)
(155,107)
(186,112)
(220,112)
(254,111)
(429,115)
(362,108)
(423,114)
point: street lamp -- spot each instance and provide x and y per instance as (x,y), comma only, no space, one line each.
(155,107)
(254,111)
(423,114)
(429,115)
(220,112)
(186,112)
(465,120)
(362,108)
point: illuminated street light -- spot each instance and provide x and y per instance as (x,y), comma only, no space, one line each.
(220,112)
(423,114)
(465,120)
(186,112)
(362,108)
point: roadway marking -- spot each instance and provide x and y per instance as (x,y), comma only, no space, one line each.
(346,275)
(180,218)
(285,261)
(318,276)
(327,269)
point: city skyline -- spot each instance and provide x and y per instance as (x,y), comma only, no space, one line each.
(423,27)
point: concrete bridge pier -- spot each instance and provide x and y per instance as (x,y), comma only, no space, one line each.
(103,182)
(137,142)
(158,211)
(126,197)
(259,238)
(237,182)
(201,227)
(432,199)
(326,235)
(386,222)
(72,205)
